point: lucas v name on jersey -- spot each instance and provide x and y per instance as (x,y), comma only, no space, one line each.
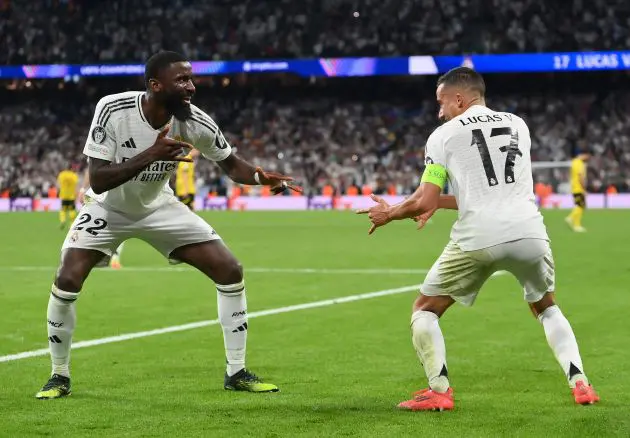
(485,118)
(155,172)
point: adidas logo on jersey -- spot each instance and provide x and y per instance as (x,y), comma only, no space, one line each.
(130,144)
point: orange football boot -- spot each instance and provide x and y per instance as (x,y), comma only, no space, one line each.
(584,395)
(429,400)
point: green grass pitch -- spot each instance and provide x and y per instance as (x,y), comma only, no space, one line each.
(341,368)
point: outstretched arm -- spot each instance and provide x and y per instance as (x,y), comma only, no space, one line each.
(425,199)
(242,172)
(239,170)
(420,206)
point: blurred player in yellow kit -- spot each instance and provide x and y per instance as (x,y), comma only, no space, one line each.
(114,261)
(185,180)
(67,182)
(578,188)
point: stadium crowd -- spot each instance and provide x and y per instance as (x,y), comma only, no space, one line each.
(87,31)
(327,141)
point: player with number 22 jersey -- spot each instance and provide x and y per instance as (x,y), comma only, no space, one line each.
(134,145)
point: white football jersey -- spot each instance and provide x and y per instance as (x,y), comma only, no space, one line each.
(487,157)
(120,131)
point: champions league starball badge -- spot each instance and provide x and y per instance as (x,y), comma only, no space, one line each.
(98,134)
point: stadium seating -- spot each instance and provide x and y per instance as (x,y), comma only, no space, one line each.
(329,141)
(81,31)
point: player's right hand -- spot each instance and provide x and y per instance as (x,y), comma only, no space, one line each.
(167,149)
(378,214)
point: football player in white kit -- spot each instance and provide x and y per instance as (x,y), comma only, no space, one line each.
(134,144)
(485,156)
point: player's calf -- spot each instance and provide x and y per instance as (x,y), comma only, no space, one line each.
(215,260)
(76,264)
(232,310)
(563,343)
(428,342)
(61,320)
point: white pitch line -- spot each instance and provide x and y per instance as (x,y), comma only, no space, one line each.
(194,325)
(341,271)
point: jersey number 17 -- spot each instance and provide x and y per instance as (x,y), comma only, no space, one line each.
(512,150)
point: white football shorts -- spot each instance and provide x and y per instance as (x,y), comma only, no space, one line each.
(461,274)
(166,229)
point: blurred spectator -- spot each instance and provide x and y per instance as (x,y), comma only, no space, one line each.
(348,144)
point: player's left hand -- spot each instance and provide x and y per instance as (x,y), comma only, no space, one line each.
(278,182)
(422,219)
(378,214)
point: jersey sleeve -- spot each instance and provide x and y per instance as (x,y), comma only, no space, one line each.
(435,161)
(211,143)
(434,151)
(101,140)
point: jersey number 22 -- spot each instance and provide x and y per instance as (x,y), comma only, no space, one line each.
(512,150)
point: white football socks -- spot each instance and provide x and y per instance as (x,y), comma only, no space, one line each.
(232,308)
(563,344)
(429,344)
(61,320)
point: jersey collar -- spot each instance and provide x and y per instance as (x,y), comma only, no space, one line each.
(144,118)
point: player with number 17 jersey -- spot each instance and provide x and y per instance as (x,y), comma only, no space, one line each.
(484,155)
(487,154)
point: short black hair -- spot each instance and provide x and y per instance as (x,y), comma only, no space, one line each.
(464,77)
(156,63)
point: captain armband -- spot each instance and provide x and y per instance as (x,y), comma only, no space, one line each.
(434,174)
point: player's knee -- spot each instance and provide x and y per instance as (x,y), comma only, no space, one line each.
(230,271)
(68,280)
(543,304)
(434,304)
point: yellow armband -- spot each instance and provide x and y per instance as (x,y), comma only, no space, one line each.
(434,174)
